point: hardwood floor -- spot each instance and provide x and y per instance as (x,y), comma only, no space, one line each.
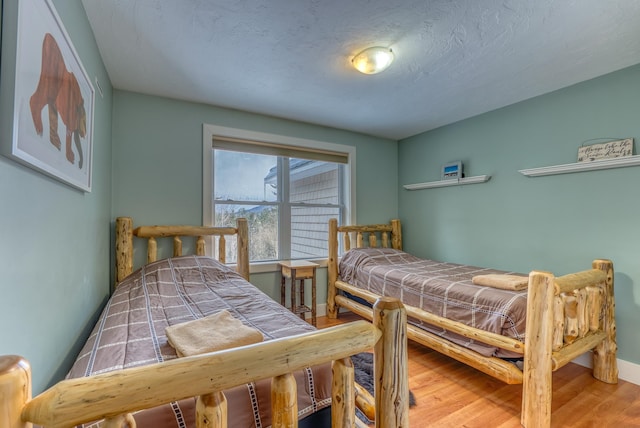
(451,394)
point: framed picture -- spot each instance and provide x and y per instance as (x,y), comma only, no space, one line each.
(54,99)
(452,170)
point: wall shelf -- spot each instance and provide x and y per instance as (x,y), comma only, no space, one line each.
(444,183)
(582,166)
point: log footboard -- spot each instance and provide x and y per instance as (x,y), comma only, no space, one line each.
(116,394)
(566,317)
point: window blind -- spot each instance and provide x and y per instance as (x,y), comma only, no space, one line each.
(275,149)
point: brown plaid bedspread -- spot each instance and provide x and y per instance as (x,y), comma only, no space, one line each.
(443,289)
(131,332)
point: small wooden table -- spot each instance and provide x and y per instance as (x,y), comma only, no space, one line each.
(299,270)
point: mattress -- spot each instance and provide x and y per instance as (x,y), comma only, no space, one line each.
(131,332)
(443,289)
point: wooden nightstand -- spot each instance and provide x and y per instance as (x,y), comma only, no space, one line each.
(299,270)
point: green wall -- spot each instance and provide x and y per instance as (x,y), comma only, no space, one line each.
(157,164)
(556,223)
(55,248)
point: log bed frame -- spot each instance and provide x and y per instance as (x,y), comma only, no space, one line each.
(113,396)
(566,317)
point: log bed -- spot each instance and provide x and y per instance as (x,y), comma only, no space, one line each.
(115,395)
(566,316)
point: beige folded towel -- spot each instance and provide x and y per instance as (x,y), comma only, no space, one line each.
(212,333)
(503,281)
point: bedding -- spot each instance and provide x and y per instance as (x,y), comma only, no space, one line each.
(210,334)
(503,281)
(443,289)
(131,332)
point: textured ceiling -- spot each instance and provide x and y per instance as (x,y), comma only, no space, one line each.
(291,58)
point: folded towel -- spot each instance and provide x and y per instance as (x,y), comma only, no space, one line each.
(212,333)
(505,282)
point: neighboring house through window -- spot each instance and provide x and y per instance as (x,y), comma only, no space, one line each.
(287,188)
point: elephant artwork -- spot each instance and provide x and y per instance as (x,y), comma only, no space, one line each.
(58,89)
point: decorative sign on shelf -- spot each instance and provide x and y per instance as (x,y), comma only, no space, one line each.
(608,150)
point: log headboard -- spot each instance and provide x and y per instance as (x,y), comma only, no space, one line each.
(384,235)
(373,235)
(125,233)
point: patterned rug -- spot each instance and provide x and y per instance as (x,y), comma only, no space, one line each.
(363,367)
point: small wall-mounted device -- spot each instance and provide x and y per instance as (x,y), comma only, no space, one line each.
(452,170)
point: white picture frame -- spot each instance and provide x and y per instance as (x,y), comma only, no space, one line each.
(53,101)
(451,171)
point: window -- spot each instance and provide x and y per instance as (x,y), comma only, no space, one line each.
(287,192)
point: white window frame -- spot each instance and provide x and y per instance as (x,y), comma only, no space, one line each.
(209,131)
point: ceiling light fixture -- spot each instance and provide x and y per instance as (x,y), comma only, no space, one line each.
(373,60)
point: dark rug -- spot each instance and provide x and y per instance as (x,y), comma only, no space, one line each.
(363,367)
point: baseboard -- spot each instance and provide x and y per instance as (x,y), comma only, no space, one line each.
(627,371)
(321,311)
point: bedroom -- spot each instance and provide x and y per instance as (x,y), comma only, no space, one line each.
(67,232)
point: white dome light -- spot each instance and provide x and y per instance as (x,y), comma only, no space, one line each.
(373,60)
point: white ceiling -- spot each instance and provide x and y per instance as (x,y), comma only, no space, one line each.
(291,58)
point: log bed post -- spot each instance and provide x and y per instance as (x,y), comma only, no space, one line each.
(536,388)
(243,245)
(605,364)
(343,395)
(211,410)
(177,246)
(390,365)
(200,246)
(284,401)
(222,249)
(396,234)
(124,247)
(152,250)
(15,390)
(125,420)
(332,310)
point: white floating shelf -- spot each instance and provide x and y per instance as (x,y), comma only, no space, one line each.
(444,183)
(582,166)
